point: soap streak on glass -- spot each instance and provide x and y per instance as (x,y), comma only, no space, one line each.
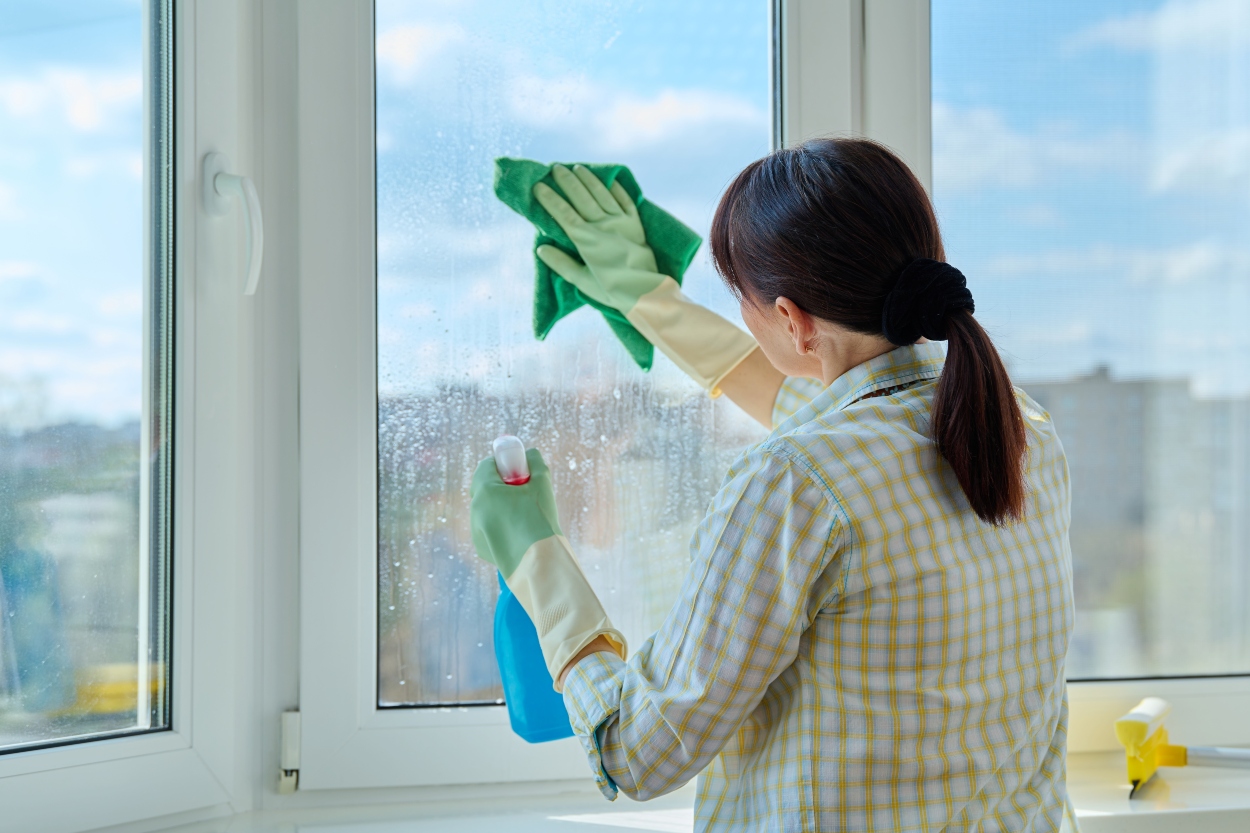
(679,92)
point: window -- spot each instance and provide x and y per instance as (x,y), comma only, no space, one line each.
(423,350)
(1090,172)
(416,349)
(107,111)
(85,357)
(680,94)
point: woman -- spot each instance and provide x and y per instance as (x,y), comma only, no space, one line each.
(873,630)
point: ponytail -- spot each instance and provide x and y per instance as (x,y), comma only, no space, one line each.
(976,422)
(844,229)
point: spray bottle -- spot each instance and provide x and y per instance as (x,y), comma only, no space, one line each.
(535,709)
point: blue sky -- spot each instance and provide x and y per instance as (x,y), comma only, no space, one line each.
(1092,162)
(679,91)
(70,211)
(1092,170)
(1092,167)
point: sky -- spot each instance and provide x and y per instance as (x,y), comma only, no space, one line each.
(71,208)
(678,91)
(1091,173)
(1092,168)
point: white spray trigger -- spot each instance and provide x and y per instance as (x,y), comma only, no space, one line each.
(510,460)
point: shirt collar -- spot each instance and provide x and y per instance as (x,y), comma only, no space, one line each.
(910,363)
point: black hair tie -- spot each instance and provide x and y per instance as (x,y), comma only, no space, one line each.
(925,292)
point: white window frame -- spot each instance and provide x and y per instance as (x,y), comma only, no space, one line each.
(849,67)
(201,766)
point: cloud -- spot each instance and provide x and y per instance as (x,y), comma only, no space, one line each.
(8,203)
(85,166)
(105,387)
(1066,335)
(85,101)
(17,270)
(1198,138)
(975,147)
(125,304)
(1038,215)
(38,322)
(616,121)
(631,122)
(1177,266)
(127,337)
(1177,24)
(402,52)
(1207,160)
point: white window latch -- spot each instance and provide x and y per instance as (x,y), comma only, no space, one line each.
(288,774)
(218,187)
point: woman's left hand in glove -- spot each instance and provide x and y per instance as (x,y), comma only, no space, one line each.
(516,529)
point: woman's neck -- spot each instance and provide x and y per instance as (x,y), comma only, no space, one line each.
(839,351)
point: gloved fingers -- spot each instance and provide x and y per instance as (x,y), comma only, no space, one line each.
(538,466)
(561,211)
(485,474)
(564,265)
(596,188)
(623,199)
(577,194)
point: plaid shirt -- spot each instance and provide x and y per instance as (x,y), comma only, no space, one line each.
(853,649)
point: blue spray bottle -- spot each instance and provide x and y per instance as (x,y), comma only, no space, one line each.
(535,709)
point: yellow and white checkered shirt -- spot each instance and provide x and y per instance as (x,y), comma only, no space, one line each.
(853,649)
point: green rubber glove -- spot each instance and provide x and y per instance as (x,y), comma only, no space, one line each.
(619,265)
(516,529)
(619,271)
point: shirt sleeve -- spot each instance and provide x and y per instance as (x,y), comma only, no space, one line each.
(760,572)
(795,392)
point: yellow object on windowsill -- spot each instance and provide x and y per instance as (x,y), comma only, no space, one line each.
(1145,740)
(112,688)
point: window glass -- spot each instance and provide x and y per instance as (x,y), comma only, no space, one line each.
(680,93)
(1092,174)
(84,271)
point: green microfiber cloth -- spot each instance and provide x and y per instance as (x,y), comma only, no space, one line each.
(673,242)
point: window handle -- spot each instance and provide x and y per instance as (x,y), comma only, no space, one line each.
(218,188)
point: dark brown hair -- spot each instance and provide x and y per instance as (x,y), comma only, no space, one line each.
(831,224)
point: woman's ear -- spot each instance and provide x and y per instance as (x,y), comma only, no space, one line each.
(801,326)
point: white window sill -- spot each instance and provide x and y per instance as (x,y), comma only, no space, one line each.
(1195,799)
